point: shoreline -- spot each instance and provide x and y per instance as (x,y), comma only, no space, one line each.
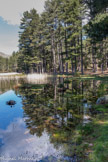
(77,76)
(9,74)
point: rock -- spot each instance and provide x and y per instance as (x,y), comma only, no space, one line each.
(100,100)
(11,102)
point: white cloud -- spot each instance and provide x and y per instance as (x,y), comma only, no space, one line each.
(7,49)
(19,143)
(12,10)
(9,43)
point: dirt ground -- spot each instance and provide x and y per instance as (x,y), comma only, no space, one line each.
(98,73)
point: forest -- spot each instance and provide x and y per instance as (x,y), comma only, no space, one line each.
(63,114)
(9,64)
(69,37)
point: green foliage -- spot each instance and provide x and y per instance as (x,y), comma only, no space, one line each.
(48,42)
(101,108)
(61,115)
(67,81)
(57,41)
(98,27)
(61,86)
(87,129)
(9,64)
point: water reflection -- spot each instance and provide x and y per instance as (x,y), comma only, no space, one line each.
(18,143)
(38,78)
(47,113)
(8,114)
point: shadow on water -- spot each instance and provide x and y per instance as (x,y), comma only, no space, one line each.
(43,123)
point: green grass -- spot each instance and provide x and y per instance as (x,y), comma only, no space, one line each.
(95,133)
(92,138)
(100,148)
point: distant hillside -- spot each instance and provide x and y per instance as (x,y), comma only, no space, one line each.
(4,55)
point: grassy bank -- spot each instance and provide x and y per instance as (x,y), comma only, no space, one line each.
(92,139)
(100,140)
(84,77)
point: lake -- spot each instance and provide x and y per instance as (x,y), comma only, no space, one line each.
(42,126)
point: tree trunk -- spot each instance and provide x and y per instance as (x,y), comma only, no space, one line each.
(66,50)
(53,52)
(82,71)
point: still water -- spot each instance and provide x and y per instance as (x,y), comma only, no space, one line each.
(41,125)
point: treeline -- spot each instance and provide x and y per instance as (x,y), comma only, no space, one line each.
(9,64)
(58,41)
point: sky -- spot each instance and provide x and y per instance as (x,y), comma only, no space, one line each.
(11,12)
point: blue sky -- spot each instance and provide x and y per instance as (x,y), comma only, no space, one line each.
(10,14)
(8,37)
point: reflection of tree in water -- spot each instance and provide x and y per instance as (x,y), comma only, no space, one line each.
(49,108)
(57,108)
(8,83)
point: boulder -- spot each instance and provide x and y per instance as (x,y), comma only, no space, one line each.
(102,100)
(11,102)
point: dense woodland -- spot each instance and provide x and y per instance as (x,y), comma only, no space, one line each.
(70,36)
(9,64)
